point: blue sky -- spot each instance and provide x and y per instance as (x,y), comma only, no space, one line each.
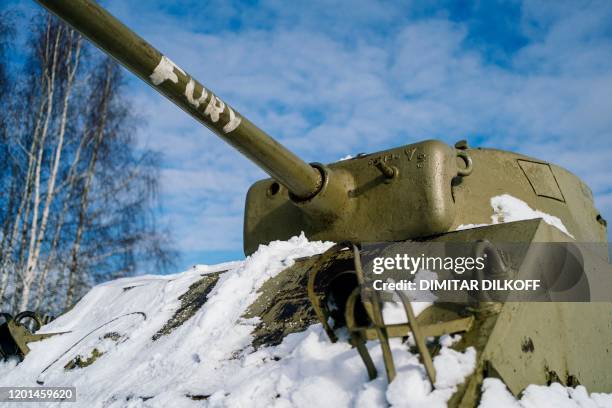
(331,78)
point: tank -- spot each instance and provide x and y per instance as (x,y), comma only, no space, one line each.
(427,199)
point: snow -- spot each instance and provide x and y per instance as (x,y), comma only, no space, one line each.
(210,355)
(495,395)
(507,208)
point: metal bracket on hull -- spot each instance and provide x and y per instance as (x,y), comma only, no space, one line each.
(15,335)
(359,309)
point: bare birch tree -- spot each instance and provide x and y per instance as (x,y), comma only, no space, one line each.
(78,194)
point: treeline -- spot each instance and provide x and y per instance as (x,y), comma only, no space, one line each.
(77,194)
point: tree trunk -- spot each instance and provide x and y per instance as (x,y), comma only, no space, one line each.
(29,272)
(99,135)
(33,261)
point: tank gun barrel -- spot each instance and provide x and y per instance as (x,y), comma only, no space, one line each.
(134,53)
